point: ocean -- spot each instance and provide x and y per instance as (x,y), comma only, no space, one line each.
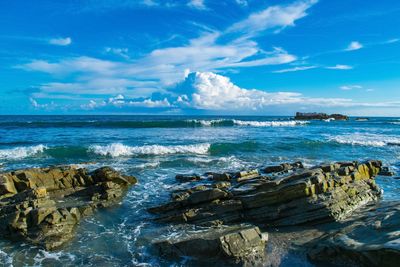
(155,149)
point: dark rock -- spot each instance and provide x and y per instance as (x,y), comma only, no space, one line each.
(372,240)
(184,178)
(234,245)
(44,205)
(319,116)
(284,167)
(385,171)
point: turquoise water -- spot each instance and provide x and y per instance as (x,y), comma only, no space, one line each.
(155,148)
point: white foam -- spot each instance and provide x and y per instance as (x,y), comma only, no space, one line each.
(366,139)
(118,149)
(57,256)
(6,258)
(395,122)
(329,119)
(270,123)
(21,152)
(207,123)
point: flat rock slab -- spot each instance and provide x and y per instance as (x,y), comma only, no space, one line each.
(240,245)
(370,239)
(44,205)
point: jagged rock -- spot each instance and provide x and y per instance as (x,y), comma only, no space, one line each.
(319,116)
(372,240)
(329,192)
(44,205)
(235,245)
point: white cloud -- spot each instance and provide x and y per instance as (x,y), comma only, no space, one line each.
(354,46)
(242,2)
(392,41)
(274,17)
(207,90)
(122,52)
(295,69)
(61,41)
(350,87)
(211,51)
(198,4)
(339,67)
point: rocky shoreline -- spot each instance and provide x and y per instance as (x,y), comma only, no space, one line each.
(329,214)
(43,206)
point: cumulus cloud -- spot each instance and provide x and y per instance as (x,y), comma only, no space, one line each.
(354,46)
(61,41)
(122,52)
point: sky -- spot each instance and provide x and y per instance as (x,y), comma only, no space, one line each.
(200,57)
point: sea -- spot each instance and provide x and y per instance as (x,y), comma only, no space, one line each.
(155,149)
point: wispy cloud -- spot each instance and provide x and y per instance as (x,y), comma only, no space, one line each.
(339,67)
(61,41)
(302,68)
(274,17)
(242,2)
(350,87)
(355,45)
(198,4)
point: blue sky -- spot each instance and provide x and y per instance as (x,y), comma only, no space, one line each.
(259,57)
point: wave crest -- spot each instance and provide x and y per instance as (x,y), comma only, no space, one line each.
(366,140)
(21,152)
(118,149)
(269,123)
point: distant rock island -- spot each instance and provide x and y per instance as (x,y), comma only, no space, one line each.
(320,116)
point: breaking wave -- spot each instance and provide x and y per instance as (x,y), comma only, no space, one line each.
(21,152)
(269,123)
(120,150)
(189,123)
(366,140)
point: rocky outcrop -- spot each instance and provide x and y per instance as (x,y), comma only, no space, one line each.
(320,116)
(370,239)
(43,205)
(286,195)
(239,245)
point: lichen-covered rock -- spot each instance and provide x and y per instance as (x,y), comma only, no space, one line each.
(329,192)
(235,245)
(44,205)
(372,240)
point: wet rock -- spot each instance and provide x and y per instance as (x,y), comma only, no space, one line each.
(284,167)
(44,205)
(234,245)
(370,240)
(329,192)
(184,178)
(385,171)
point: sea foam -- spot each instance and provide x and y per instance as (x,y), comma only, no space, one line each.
(21,152)
(366,140)
(120,150)
(269,123)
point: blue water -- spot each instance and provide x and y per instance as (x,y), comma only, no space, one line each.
(155,148)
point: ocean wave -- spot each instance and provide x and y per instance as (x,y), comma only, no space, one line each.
(366,140)
(120,150)
(179,123)
(270,123)
(21,152)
